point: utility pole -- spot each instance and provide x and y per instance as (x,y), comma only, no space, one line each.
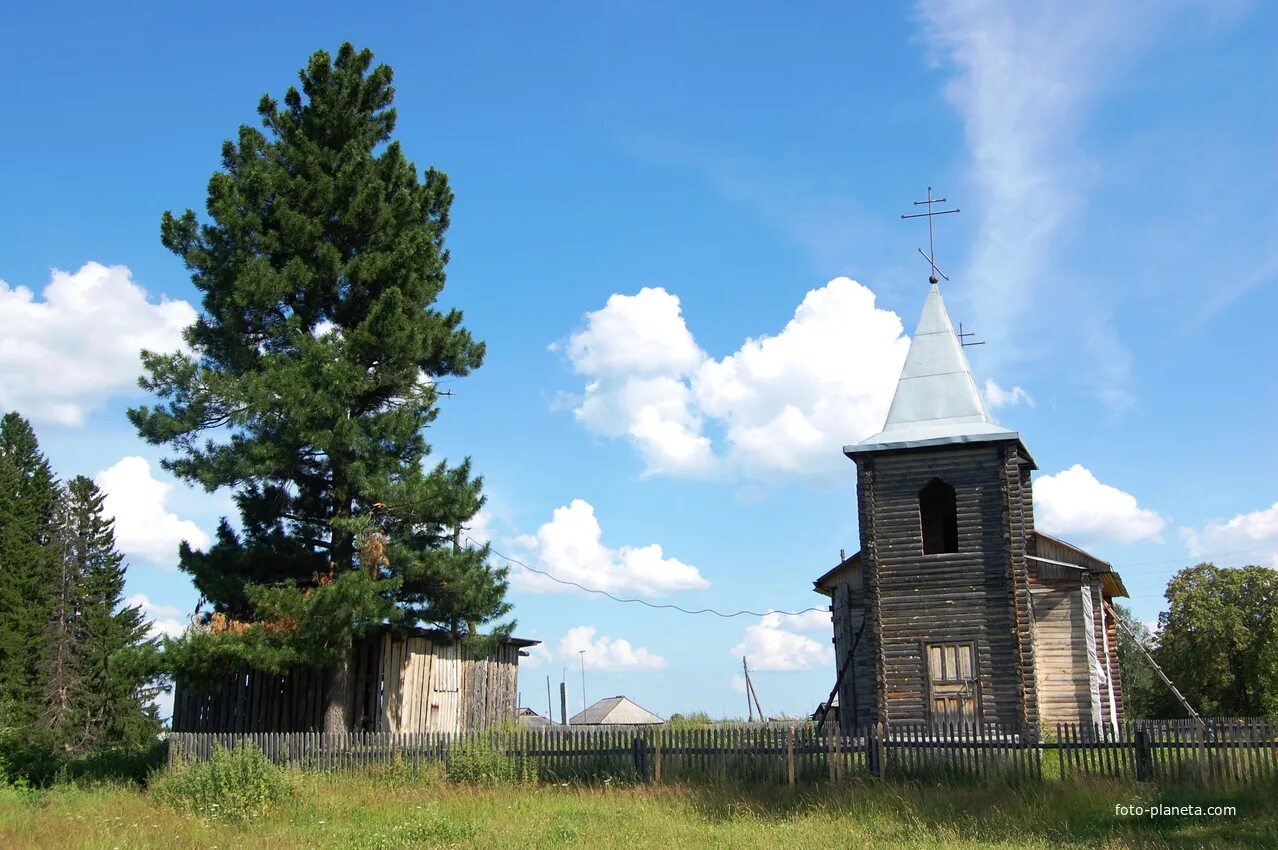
(582,654)
(550,705)
(745,670)
(563,703)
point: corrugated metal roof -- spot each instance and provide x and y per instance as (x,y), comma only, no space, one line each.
(937,400)
(615,711)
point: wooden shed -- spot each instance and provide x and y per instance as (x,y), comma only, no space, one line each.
(417,680)
(955,609)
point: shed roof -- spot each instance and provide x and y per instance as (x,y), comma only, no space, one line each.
(937,400)
(615,711)
(840,573)
(442,636)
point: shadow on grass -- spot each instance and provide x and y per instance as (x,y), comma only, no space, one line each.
(1081,813)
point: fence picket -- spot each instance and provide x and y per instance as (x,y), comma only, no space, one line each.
(1216,752)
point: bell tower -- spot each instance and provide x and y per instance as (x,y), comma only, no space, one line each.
(946,521)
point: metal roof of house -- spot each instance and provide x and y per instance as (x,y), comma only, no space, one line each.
(937,401)
(526,718)
(615,711)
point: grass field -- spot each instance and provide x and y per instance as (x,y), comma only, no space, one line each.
(384,812)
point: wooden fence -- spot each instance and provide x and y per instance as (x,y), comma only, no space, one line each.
(1214,752)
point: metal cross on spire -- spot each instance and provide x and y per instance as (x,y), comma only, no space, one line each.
(931,213)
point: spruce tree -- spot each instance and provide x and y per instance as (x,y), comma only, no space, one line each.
(311,376)
(110,700)
(28,578)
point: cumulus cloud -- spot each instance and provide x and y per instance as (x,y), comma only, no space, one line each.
(144,526)
(785,403)
(605,653)
(999,397)
(1250,537)
(538,655)
(780,643)
(65,353)
(570,547)
(166,620)
(1073,502)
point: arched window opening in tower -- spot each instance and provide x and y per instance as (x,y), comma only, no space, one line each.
(938,515)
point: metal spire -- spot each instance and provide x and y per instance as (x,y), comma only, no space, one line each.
(931,213)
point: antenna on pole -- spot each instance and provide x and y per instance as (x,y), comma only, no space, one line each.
(931,213)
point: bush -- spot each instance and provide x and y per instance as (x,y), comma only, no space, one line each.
(28,759)
(131,764)
(477,762)
(235,784)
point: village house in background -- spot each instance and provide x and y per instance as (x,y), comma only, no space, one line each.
(416,680)
(615,711)
(956,610)
(527,718)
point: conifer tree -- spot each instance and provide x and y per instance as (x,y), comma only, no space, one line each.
(311,376)
(28,502)
(110,700)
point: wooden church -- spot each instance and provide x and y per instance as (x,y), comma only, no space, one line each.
(956,610)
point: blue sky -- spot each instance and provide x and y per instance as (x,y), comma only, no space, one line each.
(660,214)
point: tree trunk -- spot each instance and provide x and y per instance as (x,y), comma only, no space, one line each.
(338,707)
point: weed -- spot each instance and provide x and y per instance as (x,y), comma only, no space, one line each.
(235,784)
(479,763)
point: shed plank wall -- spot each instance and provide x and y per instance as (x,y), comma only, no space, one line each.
(410,684)
(856,697)
(1060,656)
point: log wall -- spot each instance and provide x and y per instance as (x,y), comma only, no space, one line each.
(978,594)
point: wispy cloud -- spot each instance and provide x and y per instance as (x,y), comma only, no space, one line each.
(1024,77)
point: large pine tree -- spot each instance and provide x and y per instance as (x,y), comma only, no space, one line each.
(28,577)
(312,374)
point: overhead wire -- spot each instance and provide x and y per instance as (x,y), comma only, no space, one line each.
(629,600)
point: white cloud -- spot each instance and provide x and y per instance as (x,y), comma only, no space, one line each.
(538,655)
(165,619)
(604,653)
(569,547)
(64,354)
(776,642)
(999,397)
(785,403)
(1073,502)
(636,353)
(479,529)
(164,703)
(1025,76)
(143,525)
(1247,538)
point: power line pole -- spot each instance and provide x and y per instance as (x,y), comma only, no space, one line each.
(749,706)
(582,654)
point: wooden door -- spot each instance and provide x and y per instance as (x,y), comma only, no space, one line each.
(954,692)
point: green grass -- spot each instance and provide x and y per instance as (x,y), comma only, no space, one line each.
(389,809)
